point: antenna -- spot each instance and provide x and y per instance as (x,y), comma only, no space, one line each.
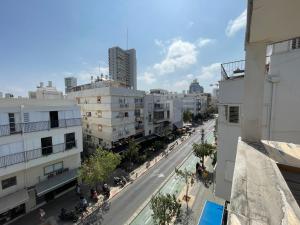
(127,38)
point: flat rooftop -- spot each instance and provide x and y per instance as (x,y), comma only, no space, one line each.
(265,187)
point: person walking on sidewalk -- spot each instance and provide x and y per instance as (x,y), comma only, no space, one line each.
(42,214)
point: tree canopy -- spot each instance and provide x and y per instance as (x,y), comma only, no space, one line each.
(202,150)
(187,116)
(165,208)
(99,166)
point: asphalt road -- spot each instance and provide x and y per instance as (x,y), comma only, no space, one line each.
(125,204)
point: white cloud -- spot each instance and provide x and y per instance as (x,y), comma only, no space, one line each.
(85,75)
(180,55)
(190,76)
(210,73)
(147,77)
(201,42)
(183,84)
(237,24)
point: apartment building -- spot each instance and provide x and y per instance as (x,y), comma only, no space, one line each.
(265,181)
(111,114)
(40,146)
(122,66)
(45,92)
(161,113)
(70,82)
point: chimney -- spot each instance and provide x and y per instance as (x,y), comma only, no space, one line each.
(49,83)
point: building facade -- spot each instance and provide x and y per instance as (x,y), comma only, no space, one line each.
(70,82)
(122,66)
(195,87)
(40,146)
(45,92)
(111,114)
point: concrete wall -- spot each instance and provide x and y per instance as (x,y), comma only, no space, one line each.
(231,94)
(284,118)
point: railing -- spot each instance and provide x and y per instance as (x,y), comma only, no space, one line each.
(232,69)
(26,156)
(15,128)
(139,105)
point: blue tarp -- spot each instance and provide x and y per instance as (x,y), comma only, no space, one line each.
(212,214)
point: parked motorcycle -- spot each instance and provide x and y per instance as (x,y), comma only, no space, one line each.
(120,181)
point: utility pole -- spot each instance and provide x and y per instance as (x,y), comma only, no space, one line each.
(202,136)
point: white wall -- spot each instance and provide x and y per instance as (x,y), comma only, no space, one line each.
(231,93)
(285,123)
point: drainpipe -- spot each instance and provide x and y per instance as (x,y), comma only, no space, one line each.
(273,79)
(22,134)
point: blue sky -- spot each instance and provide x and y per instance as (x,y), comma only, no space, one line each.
(176,40)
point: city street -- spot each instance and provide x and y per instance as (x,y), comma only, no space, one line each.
(124,205)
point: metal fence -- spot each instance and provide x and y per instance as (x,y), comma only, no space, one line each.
(25,156)
(15,128)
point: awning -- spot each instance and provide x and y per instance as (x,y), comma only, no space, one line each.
(13,200)
(212,214)
(55,182)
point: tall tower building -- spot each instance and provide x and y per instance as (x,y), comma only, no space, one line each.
(122,66)
(69,83)
(195,87)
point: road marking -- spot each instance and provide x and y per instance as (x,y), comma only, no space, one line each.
(161,175)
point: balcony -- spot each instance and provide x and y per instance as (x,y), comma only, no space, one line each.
(139,105)
(26,156)
(232,69)
(16,128)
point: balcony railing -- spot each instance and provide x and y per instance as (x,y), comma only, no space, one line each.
(15,128)
(26,156)
(232,69)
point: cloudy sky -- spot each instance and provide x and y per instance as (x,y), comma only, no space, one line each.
(176,40)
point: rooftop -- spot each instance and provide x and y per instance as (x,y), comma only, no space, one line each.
(266,182)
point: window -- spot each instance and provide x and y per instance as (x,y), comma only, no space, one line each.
(99,99)
(87,126)
(12,124)
(46,144)
(99,127)
(70,140)
(54,119)
(9,182)
(99,113)
(233,114)
(26,117)
(126,114)
(57,167)
(78,100)
(296,43)
(88,114)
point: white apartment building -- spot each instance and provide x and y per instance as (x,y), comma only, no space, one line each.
(45,92)
(229,130)
(195,103)
(40,146)
(161,113)
(122,66)
(111,114)
(265,181)
(277,107)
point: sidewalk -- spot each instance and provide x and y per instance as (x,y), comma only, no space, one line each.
(70,199)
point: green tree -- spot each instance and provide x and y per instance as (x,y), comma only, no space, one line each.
(187,116)
(99,166)
(203,150)
(165,208)
(157,145)
(132,153)
(187,176)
